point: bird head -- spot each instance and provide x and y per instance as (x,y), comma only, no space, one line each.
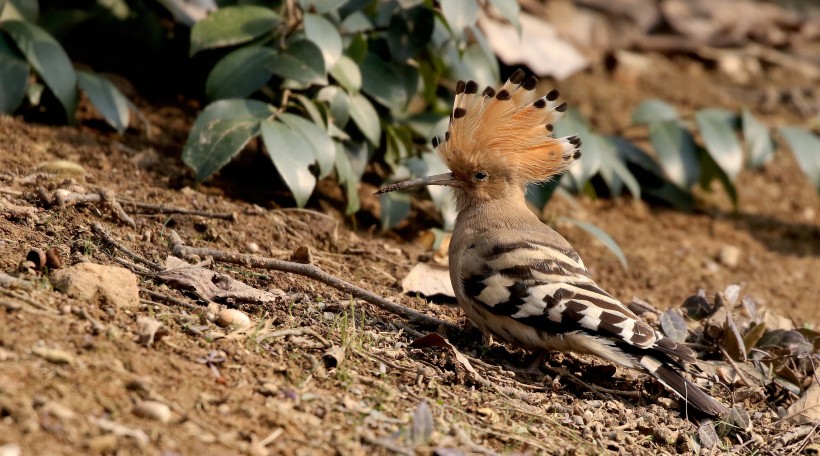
(498,141)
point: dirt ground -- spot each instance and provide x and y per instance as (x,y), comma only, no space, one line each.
(265,391)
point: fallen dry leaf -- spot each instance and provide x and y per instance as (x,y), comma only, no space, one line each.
(211,285)
(807,408)
(437,340)
(428,280)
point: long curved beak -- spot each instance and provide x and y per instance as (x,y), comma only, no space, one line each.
(438,179)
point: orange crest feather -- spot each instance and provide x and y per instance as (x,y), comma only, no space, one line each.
(510,127)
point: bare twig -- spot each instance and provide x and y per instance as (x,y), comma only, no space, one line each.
(10,191)
(600,391)
(135,268)
(104,235)
(307,270)
(162,209)
(806,440)
(31,302)
(465,440)
(740,373)
(792,436)
(111,200)
(389,445)
(303,331)
(13,282)
(170,299)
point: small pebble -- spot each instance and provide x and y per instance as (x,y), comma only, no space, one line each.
(54,355)
(268,389)
(153,410)
(253,247)
(729,255)
(103,444)
(61,193)
(232,317)
(10,449)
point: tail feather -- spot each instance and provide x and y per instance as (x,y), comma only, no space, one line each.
(673,380)
(670,347)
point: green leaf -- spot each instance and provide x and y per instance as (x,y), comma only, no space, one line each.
(347,74)
(601,235)
(539,194)
(326,6)
(338,102)
(408,4)
(510,10)
(49,61)
(240,73)
(395,207)
(232,25)
(473,64)
(710,169)
(365,117)
(573,123)
(318,141)
(301,62)
(356,24)
(654,183)
(324,34)
(24,10)
(13,76)
(108,100)
(758,140)
(460,14)
(654,111)
(310,108)
(381,81)
(220,132)
(676,152)
(442,197)
(357,49)
(612,164)
(286,147)
(806,149)
(409,32)
(720,140)
(347,177)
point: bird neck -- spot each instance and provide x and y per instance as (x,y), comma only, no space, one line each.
(507,211)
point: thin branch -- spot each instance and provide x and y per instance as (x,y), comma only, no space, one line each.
(732,362)
(162,209)
(303,331)
(104,235)
(170,299)
(308,270)
(14,282)
(28,301)
(111,200)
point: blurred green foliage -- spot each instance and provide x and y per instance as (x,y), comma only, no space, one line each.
(329,86)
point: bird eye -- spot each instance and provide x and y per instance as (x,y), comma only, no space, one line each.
(480,175)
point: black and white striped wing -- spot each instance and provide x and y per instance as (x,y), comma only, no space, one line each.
(542,282)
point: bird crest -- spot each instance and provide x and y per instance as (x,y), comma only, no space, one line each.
(510,127)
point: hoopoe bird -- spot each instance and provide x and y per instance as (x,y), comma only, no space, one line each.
(515,277)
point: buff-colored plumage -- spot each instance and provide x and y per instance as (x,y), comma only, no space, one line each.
(513,125)
(514,276)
